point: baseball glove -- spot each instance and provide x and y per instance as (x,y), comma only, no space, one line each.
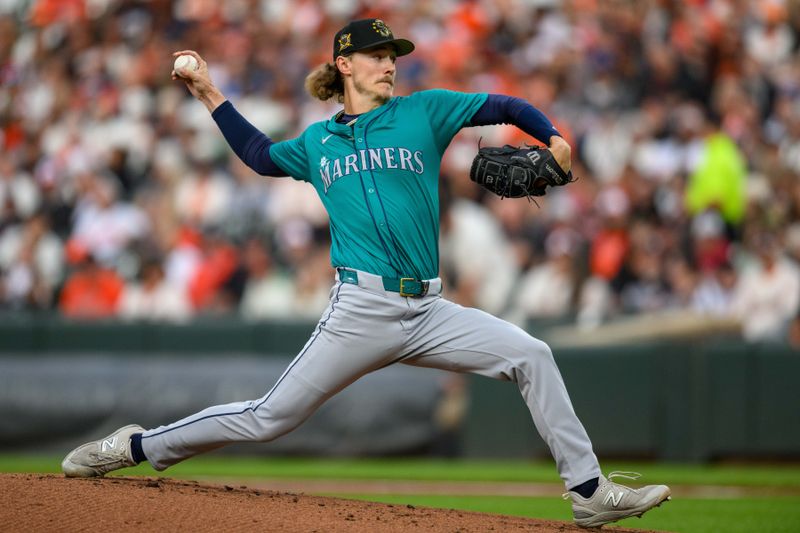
(512,172)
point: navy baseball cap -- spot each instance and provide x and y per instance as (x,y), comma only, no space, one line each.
(366,33)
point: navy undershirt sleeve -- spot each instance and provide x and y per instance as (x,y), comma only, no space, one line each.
(251,145)
(502,109)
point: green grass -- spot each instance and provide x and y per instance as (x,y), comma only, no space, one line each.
(690,515)
(783,475)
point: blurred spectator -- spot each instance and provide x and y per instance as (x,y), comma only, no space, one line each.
(475,250)
(681,280)
(153,298)
(719,179)
(610,243)
(216,284)
(31,264)
(268,293)
(249,203)
(769,39)
(105,226)
(710,244)
(313,285)
(91,292)
(767,296)
(202,198)
(19,195)
(184,258)
(548,290)
(271,292)
(641,285)
(713,294)
(595,303)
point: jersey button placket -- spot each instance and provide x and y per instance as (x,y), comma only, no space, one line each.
(360,146)
(373,200)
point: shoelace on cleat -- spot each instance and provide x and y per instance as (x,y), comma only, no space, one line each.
(626,475)
(612,475)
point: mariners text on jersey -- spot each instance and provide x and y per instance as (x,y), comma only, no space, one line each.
(370,159)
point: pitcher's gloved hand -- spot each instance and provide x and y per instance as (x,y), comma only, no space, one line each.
(512,172)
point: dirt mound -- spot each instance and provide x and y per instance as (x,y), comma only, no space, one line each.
(34,502)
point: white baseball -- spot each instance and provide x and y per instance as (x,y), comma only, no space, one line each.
(185,61)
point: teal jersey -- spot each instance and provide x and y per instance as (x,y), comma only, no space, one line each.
(379,179)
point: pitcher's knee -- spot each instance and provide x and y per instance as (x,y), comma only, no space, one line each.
(541,349)
(526,348)
(277,417)
(269,427)
(527,353)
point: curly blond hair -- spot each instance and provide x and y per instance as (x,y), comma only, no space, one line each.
(325,82)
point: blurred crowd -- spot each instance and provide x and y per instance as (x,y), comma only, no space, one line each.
(120,198)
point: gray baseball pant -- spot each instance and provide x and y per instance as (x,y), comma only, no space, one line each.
(365,328)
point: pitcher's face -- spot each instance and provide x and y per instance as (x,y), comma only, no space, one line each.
(373,71)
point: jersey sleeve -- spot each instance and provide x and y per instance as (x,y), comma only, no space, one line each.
(290,156)
(448,112)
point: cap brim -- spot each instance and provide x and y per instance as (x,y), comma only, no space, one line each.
(402,46)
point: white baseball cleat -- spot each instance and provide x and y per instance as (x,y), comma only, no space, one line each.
(612,501)
(97,458)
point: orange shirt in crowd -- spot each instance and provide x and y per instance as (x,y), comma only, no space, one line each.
(608,253)
(91,293)
(216,268)
(46,12)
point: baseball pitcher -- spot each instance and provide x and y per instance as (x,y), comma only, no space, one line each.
(375,165)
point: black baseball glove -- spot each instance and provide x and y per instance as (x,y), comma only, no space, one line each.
(512,172)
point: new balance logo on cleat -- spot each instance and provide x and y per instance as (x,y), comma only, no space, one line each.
(614,501)
(108,444)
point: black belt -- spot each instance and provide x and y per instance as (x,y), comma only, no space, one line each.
(408,287)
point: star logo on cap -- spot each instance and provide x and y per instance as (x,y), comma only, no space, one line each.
(381,27)
(344,41)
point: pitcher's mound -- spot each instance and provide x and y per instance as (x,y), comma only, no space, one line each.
(37,502)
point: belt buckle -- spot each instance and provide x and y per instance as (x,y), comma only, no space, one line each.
(423,288)
(402,292)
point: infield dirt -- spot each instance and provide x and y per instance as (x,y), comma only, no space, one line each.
(42,503)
